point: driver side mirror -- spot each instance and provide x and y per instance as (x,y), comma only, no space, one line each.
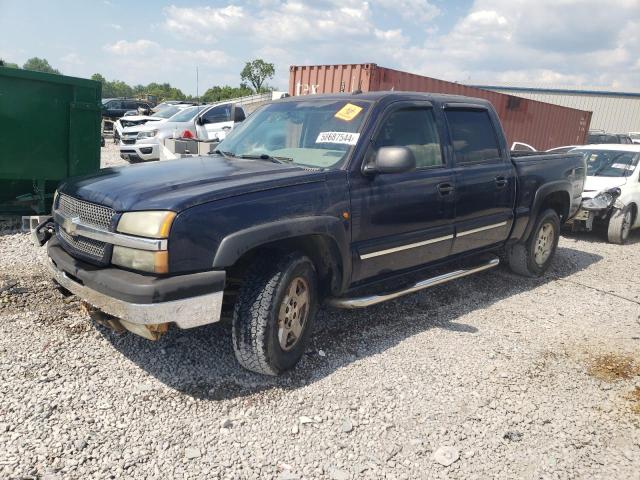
(201,121)
(392,160)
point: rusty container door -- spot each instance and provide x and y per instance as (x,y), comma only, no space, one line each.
(539,124)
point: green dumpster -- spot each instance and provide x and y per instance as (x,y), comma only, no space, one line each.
(49,130)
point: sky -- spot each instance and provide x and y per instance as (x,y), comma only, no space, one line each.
(555,43)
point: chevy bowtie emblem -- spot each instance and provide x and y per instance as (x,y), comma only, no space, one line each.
(70,225)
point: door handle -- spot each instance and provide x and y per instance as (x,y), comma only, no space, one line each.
(445,188)
(501,182)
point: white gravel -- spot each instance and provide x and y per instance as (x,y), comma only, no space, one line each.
(486,377)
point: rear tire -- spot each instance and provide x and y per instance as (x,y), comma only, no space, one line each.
(620,225)
(533,257)
(273,314)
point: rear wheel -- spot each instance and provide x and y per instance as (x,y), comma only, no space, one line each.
(533,257)
(619,226)
(273,314)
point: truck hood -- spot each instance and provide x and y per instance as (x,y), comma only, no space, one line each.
(183,183)
(595,185)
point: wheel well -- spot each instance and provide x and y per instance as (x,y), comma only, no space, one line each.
(322,250)
(558,201)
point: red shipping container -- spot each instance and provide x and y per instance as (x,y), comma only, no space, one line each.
(541,125)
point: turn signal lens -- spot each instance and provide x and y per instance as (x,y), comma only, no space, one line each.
(143,260)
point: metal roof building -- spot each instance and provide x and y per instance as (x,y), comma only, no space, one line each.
(614,112)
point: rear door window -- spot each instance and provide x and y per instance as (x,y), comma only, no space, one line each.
(473,137)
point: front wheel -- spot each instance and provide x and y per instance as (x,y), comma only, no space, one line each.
(533,257)
(273,314)
(620,225)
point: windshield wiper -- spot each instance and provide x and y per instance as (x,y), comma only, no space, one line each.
(264,156)
(224,154)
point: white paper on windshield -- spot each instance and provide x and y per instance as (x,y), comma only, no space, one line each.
(623,166)
(344,138)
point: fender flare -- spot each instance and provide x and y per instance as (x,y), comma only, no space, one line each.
(236,244)
(541,194)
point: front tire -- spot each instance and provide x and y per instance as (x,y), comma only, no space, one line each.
(273,314)
(620,225)
(533,257)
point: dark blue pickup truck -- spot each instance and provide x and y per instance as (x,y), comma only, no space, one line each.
(345,199)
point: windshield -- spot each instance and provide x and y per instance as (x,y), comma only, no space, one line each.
(167,112)
(310,133)
(610,163)
(187,114)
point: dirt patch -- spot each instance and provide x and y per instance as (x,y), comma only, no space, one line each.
(612,367)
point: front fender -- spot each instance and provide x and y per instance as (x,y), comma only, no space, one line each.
(233,246)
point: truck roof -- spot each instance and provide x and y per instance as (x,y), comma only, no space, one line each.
(386,95)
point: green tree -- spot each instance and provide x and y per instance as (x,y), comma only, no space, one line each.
(39,65)
(257,72)
(216,93)
(8,64)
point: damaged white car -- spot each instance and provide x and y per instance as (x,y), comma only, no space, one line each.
(612,191)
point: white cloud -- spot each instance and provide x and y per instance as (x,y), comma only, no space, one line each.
(115,26)
(206,24)
(72,58)
(550,42)
(546,42)
(143,61)
(410,10)
(138,47)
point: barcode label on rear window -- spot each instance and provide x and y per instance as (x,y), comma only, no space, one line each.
(344,138)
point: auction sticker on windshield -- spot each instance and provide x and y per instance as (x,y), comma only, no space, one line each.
(348,112)
(344,138)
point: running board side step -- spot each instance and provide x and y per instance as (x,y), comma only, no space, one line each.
(367,301)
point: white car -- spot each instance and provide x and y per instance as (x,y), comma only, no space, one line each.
(204,122)
(611,196)
(135,120)
(635,137)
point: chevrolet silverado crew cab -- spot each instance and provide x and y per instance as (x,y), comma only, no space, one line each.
(349,200)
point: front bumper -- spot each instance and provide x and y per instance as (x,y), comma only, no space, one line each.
(140,152)
(187,300)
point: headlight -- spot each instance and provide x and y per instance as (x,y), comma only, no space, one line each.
(599,202)
(154,224)
(144,260)
(147,134)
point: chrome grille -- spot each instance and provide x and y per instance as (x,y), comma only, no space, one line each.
(89,213)
(88,246)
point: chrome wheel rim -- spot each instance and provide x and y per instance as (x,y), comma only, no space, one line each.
(626,225)
(293,313)
(544,243)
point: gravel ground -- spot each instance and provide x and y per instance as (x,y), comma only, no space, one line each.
(110,154)
(490,376)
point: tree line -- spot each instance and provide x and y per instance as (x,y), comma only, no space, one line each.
(253,80)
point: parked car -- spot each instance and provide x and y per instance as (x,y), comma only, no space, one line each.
(344,198)
(142,143)
(136,120)
(612,190)
(117,107)
(635,137)
(597,138)
(205,122)
(169,103)
(564,149)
